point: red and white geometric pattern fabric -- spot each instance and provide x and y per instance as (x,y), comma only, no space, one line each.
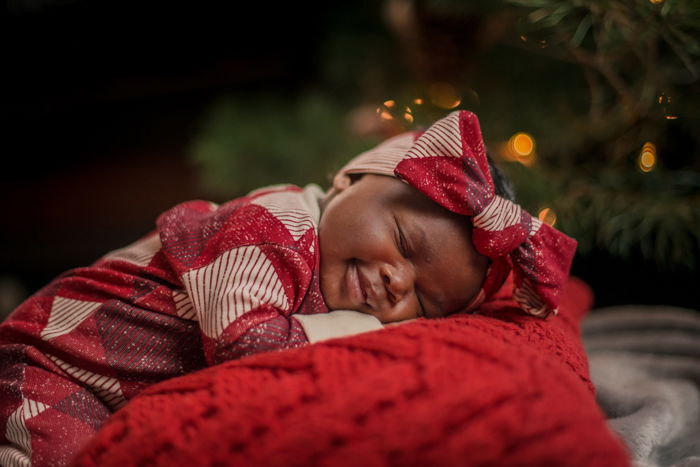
(448,164)
(236,282)
(66,315)
(211,283)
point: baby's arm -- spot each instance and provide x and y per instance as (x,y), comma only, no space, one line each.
(247,266)
(244,300)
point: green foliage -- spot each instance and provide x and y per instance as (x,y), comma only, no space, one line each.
(591,80)
(656,215)
(641,64)
(634,55)
(250,141)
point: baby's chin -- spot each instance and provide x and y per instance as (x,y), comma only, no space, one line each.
(333,298)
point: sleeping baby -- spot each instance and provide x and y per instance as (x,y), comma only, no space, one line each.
(422,226)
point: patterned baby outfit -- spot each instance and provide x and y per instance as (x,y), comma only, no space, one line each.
(210,284)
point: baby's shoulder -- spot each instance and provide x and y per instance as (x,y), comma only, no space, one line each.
(274,220)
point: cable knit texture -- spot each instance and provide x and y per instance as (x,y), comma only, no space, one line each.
(494,388)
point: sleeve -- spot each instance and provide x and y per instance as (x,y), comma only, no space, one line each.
(339,323)
(244,299)
(246,267)
(274,334)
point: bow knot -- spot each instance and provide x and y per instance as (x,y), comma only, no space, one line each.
(513,224)
(448,164)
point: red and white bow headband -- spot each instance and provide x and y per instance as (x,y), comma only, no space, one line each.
(448,164)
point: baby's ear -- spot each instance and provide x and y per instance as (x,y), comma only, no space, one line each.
(340,182)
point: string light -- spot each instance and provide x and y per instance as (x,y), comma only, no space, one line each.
(444,95)
(664,99)
(548,216)
(384,110)
(384,114)
(408,115)
(390,110)
(520,148)
(647,157)
(522,144)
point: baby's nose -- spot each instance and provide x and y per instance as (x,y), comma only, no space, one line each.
(398,282)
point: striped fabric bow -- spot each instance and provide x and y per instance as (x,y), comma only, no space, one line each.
(448,164)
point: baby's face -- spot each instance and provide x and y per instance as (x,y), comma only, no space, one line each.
(389,251)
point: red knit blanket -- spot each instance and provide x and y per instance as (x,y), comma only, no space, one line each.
(498,388)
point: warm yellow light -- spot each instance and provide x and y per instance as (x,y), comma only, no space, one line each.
(408,117)
(523,38)
(656,1)
(418,101)
(522,144)
(390,103)
(671,117)
(507,150)
(408,110)
(547,216)
(444,95)
(647,157)
(386,115)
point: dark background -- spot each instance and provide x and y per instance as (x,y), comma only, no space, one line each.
(104,100)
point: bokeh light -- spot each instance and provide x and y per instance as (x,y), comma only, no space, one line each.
(444,95)
(384,114)
(647,157)
(522,144)
(519,148)
(548,216)
(665,100)
(408,115)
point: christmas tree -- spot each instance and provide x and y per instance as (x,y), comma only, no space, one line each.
(591,107)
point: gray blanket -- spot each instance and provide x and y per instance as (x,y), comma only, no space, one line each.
(645,364)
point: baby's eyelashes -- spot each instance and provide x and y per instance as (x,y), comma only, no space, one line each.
(401,240)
